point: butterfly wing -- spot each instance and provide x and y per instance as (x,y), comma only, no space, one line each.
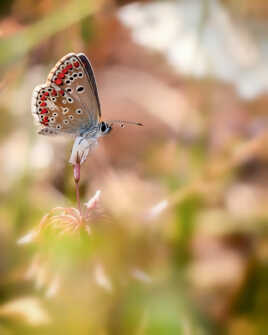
(91,78)
(67,103)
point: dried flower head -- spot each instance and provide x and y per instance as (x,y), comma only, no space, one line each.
(65,220)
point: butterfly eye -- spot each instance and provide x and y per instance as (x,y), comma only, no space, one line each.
(103,127)
(67,82)
(80,74)
(65,121)
(69,90)
(71,117)
(78,111)
(58,126)
(65,110)
(70,100)
(55,114)
(52,119)
(54,99)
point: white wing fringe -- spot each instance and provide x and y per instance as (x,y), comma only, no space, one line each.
(81,148)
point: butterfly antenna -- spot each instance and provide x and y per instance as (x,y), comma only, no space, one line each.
(123,122)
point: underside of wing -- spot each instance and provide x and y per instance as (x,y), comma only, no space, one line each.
(91,78)
(71,75)
(58,112)
(67,103)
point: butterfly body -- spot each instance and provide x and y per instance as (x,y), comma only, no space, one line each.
(68,103)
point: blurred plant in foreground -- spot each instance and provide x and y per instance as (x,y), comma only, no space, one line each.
(65,220)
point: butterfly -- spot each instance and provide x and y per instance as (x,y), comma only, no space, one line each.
(68,103)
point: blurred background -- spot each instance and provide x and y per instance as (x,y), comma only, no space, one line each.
(178,241)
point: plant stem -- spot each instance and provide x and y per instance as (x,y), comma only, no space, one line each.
(77,196)
(76,180)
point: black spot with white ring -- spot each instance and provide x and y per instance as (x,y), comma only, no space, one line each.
(80,89)
(79,111)
(70,100)
(80,74)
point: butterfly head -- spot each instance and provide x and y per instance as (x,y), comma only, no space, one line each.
(106,127)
